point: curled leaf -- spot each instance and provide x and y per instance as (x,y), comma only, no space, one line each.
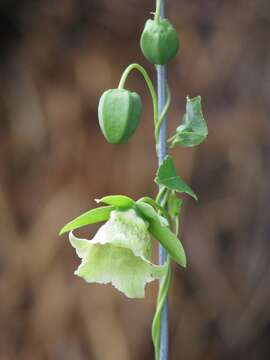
(193,130)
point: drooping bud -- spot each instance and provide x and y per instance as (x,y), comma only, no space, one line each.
(119,112)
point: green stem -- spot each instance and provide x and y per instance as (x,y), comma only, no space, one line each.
(160,194)
(177,226)
(171,139)
(162,295)
(157,12)
(158,120)
(163,113)
(162,197)
(148,82)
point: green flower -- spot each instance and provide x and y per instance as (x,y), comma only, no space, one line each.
(119,254)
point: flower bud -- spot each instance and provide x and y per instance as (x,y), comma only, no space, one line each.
(119,112)
(159,41)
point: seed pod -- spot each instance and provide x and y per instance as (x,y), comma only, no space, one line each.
(159,41)
(119,113)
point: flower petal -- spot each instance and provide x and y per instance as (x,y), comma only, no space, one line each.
(118,265)
(127,230)
(80,245)
(119,254)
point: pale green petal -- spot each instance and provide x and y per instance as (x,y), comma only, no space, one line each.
(128,273)
(126,229)
(80,245)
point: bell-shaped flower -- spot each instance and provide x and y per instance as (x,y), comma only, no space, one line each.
(119,254)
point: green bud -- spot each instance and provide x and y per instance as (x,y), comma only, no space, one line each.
(119,113)
(159,41)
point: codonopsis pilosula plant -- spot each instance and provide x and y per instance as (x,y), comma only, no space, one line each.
(120,252)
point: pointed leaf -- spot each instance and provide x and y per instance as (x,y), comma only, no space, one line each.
(169,241)
(89,217)
(193,130)
(120,201)
(149,213)
(168,177)
(151,202)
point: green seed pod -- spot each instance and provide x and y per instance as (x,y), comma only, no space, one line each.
(159,41)
(119,112)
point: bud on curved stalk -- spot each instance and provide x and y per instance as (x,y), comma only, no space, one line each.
(119,112)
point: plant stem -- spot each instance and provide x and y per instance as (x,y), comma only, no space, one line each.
(163,114)
(157,12)
(161,80)
(158,318)
(148,82)
(160,107)
(160,195)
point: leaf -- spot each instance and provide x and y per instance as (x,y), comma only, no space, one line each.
(120,201)
(89,217)
(151,202)
(169,241)
(149,213)
(193,130)
(167,176)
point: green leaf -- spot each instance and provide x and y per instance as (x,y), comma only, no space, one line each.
(168,177)
(146,210)
(149,213)
(193,130)
(151,202)
(90,217)
(120,201)
(169,241)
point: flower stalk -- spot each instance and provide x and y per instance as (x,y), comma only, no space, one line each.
(120,252)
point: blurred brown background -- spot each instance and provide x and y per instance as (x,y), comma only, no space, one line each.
(56,58)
